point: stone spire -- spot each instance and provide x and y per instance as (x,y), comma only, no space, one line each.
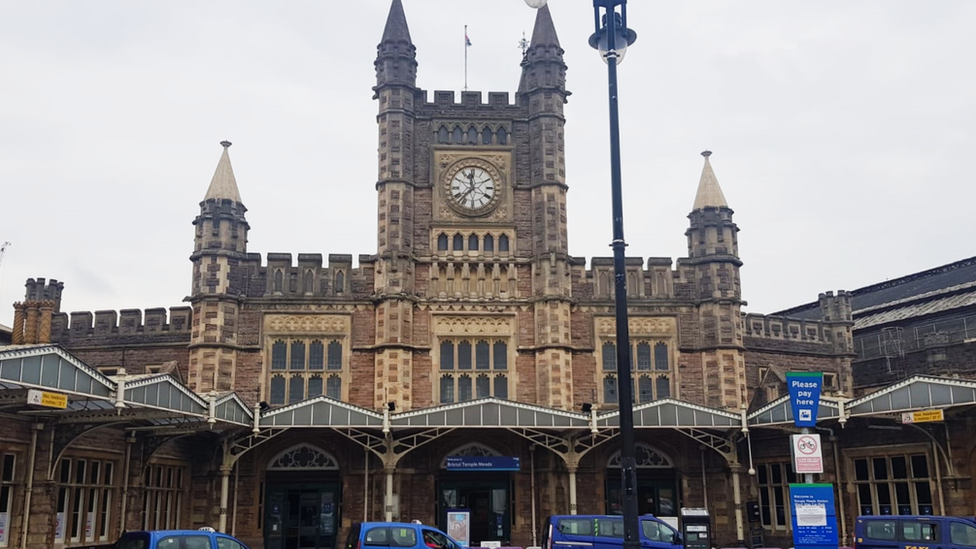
(709,193)
(223,185)
(544,33)
(396,24)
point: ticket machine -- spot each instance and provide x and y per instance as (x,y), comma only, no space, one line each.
(696,528)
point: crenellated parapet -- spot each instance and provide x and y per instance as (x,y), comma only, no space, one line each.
(653,278)
(278,275)
(830,334)
(130,325)
(474,100)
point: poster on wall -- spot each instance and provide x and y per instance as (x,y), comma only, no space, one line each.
(459,525)
(59,527)
(3,528)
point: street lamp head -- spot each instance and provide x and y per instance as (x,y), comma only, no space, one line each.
(622,37)
(536,4)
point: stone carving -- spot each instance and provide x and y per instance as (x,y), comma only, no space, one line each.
(303,458)
(317,324)
(473,325)
(639,326)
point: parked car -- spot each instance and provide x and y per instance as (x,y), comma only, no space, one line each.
(914,532)
(605,532)
(205,538)
(396,535)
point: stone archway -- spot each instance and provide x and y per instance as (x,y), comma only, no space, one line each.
(657,486)
(303,457)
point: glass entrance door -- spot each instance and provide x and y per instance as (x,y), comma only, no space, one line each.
(301,516)
(654,497)
(488,503)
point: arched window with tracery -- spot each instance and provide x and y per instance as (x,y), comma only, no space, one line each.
(303,457)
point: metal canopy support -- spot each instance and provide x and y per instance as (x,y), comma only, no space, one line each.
(722,445)
(64,436)
(570,449)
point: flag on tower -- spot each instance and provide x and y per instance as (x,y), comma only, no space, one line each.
(467,41)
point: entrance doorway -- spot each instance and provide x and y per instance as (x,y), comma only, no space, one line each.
(657,492)
(487,501)
(301,516)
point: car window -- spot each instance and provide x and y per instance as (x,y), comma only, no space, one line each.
(610,528)
(169,542)
(651,530)
(403,537)
(377,536)
(435,539)
(918,531)
(136,540)
(575,526)
(880,529)
(196,542)
(962,534)
(228,543)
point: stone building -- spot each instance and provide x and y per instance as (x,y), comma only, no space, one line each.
(466,363)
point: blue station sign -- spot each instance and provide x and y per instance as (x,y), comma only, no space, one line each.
(804,396)
(814,516)
(483,463)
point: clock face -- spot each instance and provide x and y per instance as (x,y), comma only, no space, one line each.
(472,188)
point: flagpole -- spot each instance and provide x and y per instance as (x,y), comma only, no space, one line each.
(465,58)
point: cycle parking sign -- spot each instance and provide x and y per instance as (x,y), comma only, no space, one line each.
(807,454)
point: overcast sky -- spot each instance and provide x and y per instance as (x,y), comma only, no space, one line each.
(842,132)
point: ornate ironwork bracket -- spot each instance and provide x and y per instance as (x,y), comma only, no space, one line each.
(234,449)
(390,449)
(65,435)
(570,449)
(722,445)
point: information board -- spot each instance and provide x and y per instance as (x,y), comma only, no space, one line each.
(814,516)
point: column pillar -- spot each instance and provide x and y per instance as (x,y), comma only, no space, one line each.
(572,490)
(740,533)
(20,317)
(224,491)
(388,504)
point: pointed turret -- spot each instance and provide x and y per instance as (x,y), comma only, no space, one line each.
(224,185)
(709,192)
(396,56)
(396,24)
(544,32)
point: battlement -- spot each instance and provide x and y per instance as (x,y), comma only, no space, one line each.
(126,322)
(471,99)
(836,308)
(284,259)
(42,290)
(277,274)
(786,328)
(650,278)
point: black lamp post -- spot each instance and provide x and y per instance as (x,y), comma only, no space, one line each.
(612,38)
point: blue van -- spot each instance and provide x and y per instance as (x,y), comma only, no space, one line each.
(204,538)
(605,532)
(914,532)
(398,535)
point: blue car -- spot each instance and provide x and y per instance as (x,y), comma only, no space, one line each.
(205,538)
(914,532)
(398,535)
(605,532)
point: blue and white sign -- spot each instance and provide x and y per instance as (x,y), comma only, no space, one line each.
(804,396)
(483,463)
(814,516)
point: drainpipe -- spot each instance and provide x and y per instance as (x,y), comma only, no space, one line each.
(840,486)
(233,516)
(532,490)
(365,484)
(129,441)
(31,458)
(704,480)
(740,531)
(224,489)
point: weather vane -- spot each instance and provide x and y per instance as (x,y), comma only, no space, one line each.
(523,44)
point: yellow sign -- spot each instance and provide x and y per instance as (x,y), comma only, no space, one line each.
(922,416)
(46,399)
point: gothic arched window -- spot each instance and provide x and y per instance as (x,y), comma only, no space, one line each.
(335,355)
(340,282)
(609,357)
(314,386)
(661,360)
(486,136)
(458,242)
(645,389)
(501,355)
(277,395)
(503,243)
(296,389)
(481,352)
(303,457)
(482,386)
(279,355)
(643,356)
(447,355)
(458,137)
(489,243)
(472,136)
(610,390)
(464,355)
(502,136)
(501,386)
(447,389)
(663,387)
(333,387)
(316,355)
(308,282)
(473,243)
(279,281)
(442,242)
(297,355)
(443,136)
(464,388)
